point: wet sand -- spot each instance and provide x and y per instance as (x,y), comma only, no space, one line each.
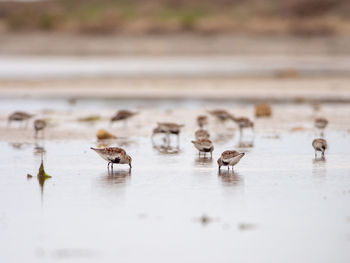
(63,116)
(55,44)
(320,89)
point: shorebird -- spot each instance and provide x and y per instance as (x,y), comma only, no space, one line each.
(168,128)
(122,115)
(39,125)
(221,115)
(243,123)
(202,120)
(202,134)
(229,158)
(320,145)
(204,146)
(114,155)
(19,116)
(321,123)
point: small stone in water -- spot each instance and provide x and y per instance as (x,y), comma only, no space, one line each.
(205,219)
(245,226)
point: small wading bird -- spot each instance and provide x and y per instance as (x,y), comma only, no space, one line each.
(321,124)
(114,155)
(243,123)
(39,125)
(202,134)
(19,116)
(122,115)
(202,120)
(204,146)
(221,115)
(320,145)
(229,158)
(168,128)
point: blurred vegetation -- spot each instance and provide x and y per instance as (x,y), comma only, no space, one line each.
(167,16)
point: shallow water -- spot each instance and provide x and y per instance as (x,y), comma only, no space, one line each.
(280,204)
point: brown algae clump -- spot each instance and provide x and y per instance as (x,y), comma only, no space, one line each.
(263,110)
(90,118)
(104,135)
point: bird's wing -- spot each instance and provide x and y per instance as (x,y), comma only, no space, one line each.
(227,155)
(206,143)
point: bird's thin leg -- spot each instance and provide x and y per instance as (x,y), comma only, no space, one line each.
(168,139)
(204,154)
(315,154)
(228,168)
(211,155)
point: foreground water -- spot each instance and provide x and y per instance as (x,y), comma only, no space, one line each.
(280,205)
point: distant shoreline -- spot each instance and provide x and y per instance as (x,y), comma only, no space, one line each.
(182,44)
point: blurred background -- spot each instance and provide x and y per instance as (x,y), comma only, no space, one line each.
(73,63)
(224,44)
(106,17)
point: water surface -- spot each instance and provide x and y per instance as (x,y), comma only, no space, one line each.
(279,205)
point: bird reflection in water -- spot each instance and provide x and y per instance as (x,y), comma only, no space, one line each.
(203,161)
(165,148)
(223,136)
(39,150)
(319,160)
(245,141)
(19,145)
(319,167)
(230,178)
(245,144)
(117,177)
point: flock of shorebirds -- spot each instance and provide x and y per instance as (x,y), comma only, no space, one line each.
(229,158)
